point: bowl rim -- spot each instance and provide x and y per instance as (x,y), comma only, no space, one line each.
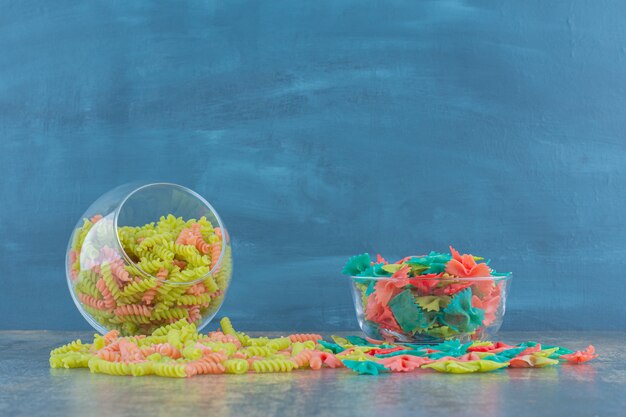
(225,237)
(477,279)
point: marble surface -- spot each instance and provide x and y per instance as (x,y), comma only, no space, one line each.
(29,387)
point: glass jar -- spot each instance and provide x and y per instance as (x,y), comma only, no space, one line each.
(147,255)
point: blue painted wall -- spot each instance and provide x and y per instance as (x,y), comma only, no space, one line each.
(320,130)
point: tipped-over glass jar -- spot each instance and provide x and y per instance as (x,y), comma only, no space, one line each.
(147,255)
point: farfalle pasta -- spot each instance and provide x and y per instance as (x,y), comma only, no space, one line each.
(156,274)
(427,298)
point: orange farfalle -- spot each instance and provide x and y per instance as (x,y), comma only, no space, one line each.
(464,266)
(404,363)
(490,304)
(425,284)
(380,313)
(388,288)
(471,356)
(493,348)
(581,356)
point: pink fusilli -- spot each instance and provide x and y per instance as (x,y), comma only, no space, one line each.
(133,310)
(109,301)
(92,301)
(303,337)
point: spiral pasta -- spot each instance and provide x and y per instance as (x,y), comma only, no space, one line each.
(303,337)
(163,274)
(302,359)
(236,366)
(272,365)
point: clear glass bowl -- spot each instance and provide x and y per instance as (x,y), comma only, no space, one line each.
(144,255)
(430,310)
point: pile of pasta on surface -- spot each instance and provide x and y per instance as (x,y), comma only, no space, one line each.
(178,350)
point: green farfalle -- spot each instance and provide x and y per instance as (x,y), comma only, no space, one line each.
(459,315)
(511,353)
(405,311)
(434,262)
(357,340)
(375,270)
(408,314)
(450,348)
(334,347)
(357,264)
(365,367)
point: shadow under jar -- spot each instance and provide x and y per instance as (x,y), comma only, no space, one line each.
(147,255)
(430,310)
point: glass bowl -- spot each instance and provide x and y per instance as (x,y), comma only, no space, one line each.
(430,310)
(145,255)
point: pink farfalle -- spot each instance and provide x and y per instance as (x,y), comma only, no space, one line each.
(387,320)
(380,259)
(530,349)
(525,361)
(451,288)
(464,266)
(379,313)
(384,351)
(374,341)
(493,348)
(581,356)
(385,290)
(425,284)
(404,363)
(489,304)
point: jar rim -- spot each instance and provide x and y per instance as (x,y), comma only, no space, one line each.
(191,192)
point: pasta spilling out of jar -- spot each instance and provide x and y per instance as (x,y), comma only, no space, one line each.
(134,279)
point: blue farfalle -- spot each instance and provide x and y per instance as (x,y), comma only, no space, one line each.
(357,264)
(450,348)
(359,341)
(460,316)
(405,311)
(434,261)
(375,270)
(334,347)
(497,358)
(371,287)
(511,353)
(420,353)
(559,351)
(365,367)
